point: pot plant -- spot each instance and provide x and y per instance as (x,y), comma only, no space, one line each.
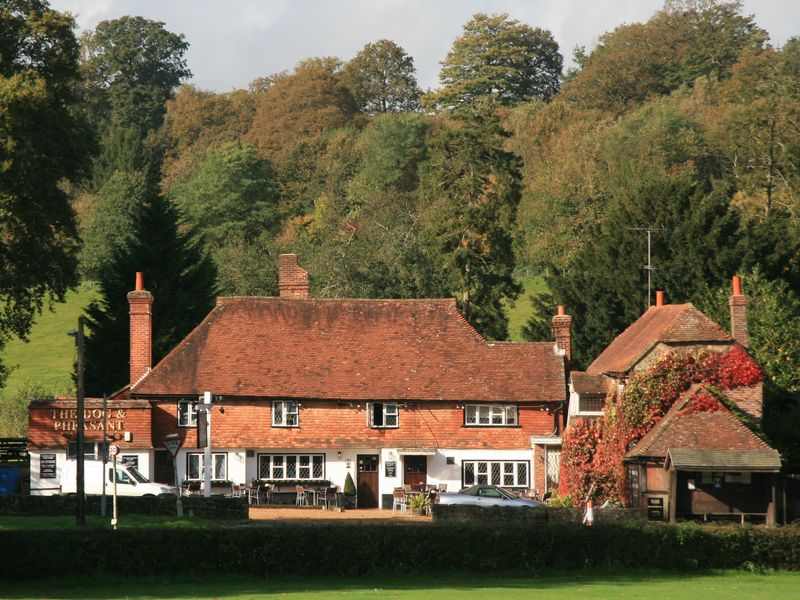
(349,491)
(418,504)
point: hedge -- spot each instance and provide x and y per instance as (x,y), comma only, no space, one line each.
(215,507)
(349,550)
(462,513)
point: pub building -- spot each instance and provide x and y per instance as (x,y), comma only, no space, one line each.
(394,392)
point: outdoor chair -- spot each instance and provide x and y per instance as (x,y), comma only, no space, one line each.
(302,496)
(264,493)
(236,490)
(407,487)
(399,500)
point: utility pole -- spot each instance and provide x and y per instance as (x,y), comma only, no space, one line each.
(207,458)
(80,507)
(103,510)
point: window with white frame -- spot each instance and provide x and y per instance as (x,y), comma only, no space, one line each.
(505,473)
(90,450)
(187,413)
(195,463)
(383,414)
(291,466)
(285,413)
(591,403)
(489,415)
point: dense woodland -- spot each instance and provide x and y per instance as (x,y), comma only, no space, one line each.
(688,124)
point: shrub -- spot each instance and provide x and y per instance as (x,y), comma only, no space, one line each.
(282,550)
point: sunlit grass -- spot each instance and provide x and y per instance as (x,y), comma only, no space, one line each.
(727,585)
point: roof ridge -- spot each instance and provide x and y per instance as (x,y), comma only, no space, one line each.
(235,299)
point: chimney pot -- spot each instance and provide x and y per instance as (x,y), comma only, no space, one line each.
(139,281)
(659,298)
(561,311)
(737,285)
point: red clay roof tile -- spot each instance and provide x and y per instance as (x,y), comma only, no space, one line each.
(719,430)
(670,324)
(352,350)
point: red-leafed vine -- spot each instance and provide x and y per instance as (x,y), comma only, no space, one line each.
(593,453)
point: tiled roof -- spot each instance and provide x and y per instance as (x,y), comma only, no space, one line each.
(669,324)
(718,431)
(352,350)
(687,459)
(584,383)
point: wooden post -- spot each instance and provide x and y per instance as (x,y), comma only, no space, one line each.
(673,495)
(770,519)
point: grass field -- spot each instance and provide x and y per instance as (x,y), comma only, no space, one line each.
(46,360)
(726,585)
(522,309)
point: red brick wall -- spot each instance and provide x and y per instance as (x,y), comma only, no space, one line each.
(141,330)
(292,278)
(247,424)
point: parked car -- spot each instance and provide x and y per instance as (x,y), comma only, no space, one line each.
(486,495)
(130,482)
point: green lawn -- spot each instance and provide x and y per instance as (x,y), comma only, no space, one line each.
(46,360)
(637,584)
(519,313)
(125,521)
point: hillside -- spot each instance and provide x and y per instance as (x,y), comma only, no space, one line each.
(47,359)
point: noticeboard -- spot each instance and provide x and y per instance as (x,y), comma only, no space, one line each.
(47,466)
(391,468)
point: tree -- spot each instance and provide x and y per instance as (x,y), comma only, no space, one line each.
(605,288)
(294,116)
(469,190)
(131,67)
(297,107)
(107,225)
(498,60)
(181,278)
(365,237)
(686,40)
(381,78)
(42,144)
(197,121)
(231,193)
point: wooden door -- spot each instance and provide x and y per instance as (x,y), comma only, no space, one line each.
(367,483)
(163,469)
(415,471)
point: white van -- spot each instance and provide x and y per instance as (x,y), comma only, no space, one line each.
(130,482)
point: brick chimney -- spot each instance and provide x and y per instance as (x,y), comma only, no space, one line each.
(738,305)
(292,278)
(562,323)
(141,302)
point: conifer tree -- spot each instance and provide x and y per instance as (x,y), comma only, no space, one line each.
(181,278)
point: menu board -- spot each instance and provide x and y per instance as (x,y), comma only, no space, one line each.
(391,468)
(47,466)
(130,460)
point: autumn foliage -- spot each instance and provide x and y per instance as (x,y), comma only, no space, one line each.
(593,452)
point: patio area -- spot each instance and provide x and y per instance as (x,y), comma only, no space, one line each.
(285,514)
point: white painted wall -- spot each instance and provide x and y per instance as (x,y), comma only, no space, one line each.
(50,487)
